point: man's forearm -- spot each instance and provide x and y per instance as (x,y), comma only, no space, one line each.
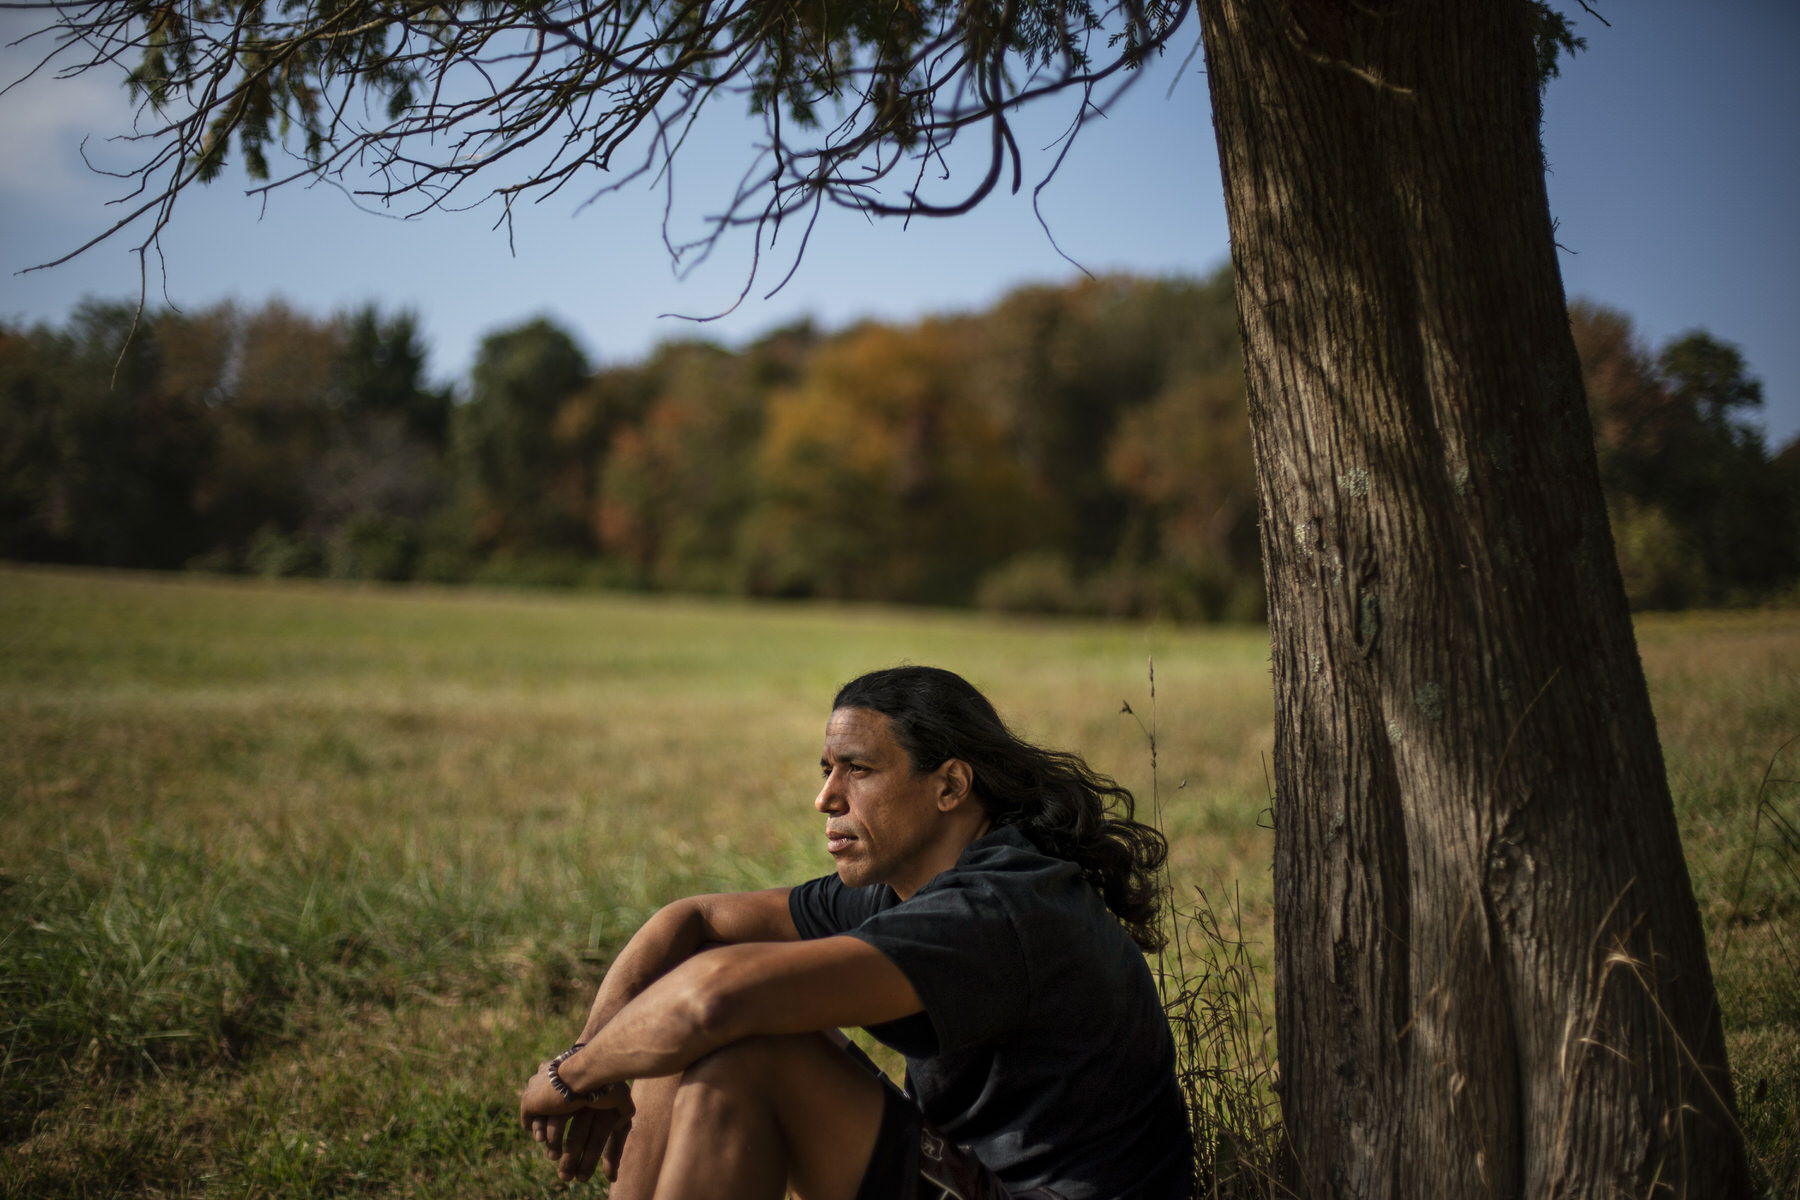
(675,934)
(739,991)
(661,944)
(659,1031)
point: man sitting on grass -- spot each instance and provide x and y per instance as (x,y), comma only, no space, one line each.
(987,920)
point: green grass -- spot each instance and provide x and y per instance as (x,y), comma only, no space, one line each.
(1727,694)
(295,881)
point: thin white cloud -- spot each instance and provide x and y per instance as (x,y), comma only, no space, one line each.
(42,123)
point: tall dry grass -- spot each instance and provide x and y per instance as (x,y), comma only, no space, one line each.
(295,881)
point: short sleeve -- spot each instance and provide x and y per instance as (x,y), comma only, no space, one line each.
(824,907)
(959,948)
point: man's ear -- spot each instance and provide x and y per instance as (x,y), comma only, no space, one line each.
(957,785)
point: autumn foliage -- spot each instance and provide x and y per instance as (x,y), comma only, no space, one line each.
(1082,448)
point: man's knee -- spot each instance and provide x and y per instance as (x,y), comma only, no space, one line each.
(758,1062)
(798,1092)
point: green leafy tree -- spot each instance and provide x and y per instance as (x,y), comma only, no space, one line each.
(1723,485)
(268,374)
(380,373)
(506,441)
(29,458)
(1702,513)
(104,458)
(1709,377)
(372,493)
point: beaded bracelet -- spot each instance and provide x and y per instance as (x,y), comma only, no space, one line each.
(563,1089)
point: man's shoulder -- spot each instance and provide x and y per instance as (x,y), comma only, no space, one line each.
(824,906)
(1058,919)
(1006,868)
(1000,878)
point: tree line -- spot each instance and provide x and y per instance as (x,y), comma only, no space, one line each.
(1080,448)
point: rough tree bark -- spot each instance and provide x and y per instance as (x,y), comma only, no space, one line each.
(1491,978)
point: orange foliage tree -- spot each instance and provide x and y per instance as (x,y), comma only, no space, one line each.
(881,475)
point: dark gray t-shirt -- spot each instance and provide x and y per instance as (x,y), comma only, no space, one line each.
(1043,1046)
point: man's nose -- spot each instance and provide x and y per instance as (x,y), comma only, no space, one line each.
(829,799)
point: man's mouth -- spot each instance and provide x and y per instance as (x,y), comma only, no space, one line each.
(837,841)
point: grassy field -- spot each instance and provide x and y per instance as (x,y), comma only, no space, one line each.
(295,881)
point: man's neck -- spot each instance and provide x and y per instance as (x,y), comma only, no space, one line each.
(949,853)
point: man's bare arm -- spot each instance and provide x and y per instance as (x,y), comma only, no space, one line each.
(664,942)
(676,932)
(738,991)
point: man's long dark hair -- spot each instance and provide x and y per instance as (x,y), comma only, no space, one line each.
(1056,800)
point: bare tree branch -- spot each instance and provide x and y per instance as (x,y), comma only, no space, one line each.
(419,105)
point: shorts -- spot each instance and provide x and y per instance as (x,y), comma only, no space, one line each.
(913,1161)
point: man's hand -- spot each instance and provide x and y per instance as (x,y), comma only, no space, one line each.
(578,1134)
(595,1137)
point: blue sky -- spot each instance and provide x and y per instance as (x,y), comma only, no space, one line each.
(1673,146)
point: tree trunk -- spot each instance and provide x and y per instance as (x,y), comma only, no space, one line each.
(1490,973)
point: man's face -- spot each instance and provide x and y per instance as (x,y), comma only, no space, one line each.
(883,823)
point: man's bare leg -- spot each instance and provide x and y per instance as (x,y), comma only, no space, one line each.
(645,1147)
(759,1115)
